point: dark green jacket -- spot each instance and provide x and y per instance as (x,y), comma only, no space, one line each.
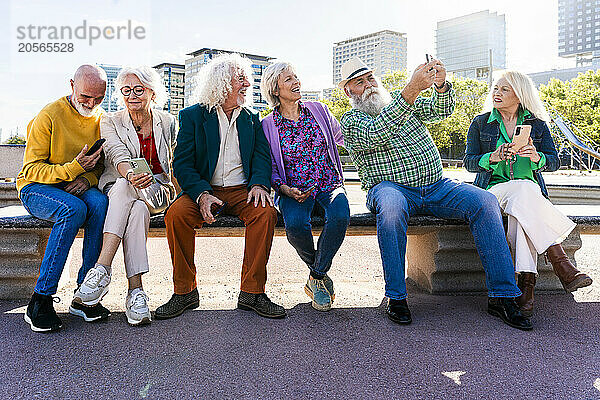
(197,150)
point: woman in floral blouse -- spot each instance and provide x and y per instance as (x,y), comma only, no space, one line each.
(306,170)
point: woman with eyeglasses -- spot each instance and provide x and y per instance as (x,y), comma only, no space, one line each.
(135,132)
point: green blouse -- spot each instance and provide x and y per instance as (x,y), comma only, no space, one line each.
(522,168)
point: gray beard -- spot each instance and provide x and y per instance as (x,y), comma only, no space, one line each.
(371,104)
(81,109)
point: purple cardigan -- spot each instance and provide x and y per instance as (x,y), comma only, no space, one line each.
(329,126)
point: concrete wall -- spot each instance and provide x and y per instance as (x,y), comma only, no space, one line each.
(11,160)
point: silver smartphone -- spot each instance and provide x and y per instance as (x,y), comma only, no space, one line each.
(140,166)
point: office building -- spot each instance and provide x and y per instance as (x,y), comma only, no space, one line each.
(310,95)
(463,44)
(383,51)
(579,30)
(328,93)
(200,57)
(173,76)
(543,78)
(110,102)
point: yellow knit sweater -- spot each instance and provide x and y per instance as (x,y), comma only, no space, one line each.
(54,138)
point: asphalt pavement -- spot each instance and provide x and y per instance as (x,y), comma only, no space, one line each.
(453,349)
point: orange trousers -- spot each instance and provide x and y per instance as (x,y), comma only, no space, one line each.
(183,217)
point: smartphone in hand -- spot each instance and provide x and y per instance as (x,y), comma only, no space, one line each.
(521,136)
(95,147)
(309,189)
(216,209)
(428,59)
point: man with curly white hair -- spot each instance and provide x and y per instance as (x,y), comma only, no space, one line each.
(222,163)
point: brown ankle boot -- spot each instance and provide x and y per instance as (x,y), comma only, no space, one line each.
(526,283)
(570,277)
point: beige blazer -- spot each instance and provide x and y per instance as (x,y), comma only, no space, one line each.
(122,142)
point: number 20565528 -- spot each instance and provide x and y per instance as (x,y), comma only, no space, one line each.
(45,47)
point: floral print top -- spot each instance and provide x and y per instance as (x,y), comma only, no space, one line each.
(305,156)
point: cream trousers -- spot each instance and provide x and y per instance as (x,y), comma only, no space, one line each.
(534,223)
(128,217)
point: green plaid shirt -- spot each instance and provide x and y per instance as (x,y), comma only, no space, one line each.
(395,145)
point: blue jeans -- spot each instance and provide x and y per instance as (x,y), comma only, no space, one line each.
(298,228)
(394,204)
(69,213)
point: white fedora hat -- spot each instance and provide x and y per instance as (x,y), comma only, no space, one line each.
(351,69)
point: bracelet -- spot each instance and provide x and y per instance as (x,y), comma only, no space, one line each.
(129,171)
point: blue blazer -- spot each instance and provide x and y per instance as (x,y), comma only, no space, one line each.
(483,137)
(198,143)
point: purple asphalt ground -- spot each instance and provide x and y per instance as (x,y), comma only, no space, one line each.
(348,353)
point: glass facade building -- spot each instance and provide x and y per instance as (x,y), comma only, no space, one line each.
(463,44)
(200,57)
(579,30)
(109,103)
(383,51)
(173,76)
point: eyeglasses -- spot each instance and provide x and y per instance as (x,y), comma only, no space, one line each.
(137,90)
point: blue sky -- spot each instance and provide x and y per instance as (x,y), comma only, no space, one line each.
(302,32)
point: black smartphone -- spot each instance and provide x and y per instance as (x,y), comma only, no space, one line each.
(219,209)
(95,147)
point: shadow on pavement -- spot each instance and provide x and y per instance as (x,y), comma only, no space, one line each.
(454,349)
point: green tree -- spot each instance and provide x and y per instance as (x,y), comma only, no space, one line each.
(15,139)
(450,134)
(265,112)
(578,100)
(338,104)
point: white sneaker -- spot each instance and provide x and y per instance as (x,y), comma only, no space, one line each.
(136,308)
(94,286)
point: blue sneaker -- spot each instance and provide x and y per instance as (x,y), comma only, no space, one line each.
(316,290)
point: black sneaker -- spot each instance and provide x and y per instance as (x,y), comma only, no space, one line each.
(260,304)
(89,313)
(177,305)
(40,314)
(508,310)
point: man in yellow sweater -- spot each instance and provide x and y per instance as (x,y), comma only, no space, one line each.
(58,183)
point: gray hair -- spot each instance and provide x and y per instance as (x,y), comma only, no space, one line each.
(213,82)
(268,83)
(148,77)
(525,91)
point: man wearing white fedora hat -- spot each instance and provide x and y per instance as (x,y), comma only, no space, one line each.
(400,167)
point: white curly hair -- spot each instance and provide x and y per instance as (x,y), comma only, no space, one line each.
(149,78)
(213,82)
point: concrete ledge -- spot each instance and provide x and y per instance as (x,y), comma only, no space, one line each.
(441,254)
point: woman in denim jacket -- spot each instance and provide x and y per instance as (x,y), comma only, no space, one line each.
(535,225)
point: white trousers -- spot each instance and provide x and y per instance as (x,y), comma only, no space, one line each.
(534,223)
(128,217)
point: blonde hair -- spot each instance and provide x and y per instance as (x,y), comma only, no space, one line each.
(525,91)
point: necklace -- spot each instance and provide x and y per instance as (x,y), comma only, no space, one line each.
(138,128)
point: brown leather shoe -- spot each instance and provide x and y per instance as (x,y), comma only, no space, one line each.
(526,282)
(570,277)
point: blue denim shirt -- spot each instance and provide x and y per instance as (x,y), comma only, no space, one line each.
(483,137)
